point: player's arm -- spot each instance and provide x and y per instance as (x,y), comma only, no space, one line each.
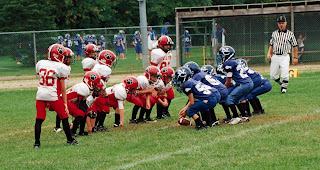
(121,112)
(146,91)
(133,43)
(121,42)
(183,112)
(148,104)
(163,102)
(64,95)
(228,82)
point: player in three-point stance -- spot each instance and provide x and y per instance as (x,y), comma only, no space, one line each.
(201,97)
(52,73)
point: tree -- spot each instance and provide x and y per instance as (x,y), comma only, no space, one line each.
(26,15)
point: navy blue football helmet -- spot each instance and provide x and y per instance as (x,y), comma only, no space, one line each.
(226,53)
(194,67)
(242,62)
(77,35)
(220,69)
(208,69)
(181,75)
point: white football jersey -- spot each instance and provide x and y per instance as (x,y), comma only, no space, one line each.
(117,92)
(50,73)
(160,59)
(88,64)
(68,79)
(80,89)
(162,89)
(102,70)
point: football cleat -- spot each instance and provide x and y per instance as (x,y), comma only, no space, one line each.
(166,114)
(200,127)
(245,119)
(148,119)
(226,120)
(115,125)
(235,121)
(36,145)
(103,129)
(83,134)
(216,123)
(73,142)
(141,121)
(57,129)
(283,90)
(133,121)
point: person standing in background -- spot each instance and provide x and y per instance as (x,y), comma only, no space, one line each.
(164,30)
(282,40)
(301,45)
(152,38)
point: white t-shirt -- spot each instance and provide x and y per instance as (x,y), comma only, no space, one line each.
(50,73)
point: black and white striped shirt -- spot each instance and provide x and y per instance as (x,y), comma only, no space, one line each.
(282,41)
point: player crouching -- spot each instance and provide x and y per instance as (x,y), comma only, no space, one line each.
(201,97)
(77,95)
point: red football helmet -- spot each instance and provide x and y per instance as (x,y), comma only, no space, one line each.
(165,40)
(152,71)
(91,51)
(131,84)
(166,72)
(106,57)
(68,56)
(91,79)
(56,52)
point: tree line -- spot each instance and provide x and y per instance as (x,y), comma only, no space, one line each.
(35,15)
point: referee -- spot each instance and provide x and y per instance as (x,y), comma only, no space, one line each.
(282,40)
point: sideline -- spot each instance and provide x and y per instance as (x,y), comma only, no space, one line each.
(238,134)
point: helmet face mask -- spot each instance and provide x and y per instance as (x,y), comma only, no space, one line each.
(226,53)
(91,51)
(165,43)
(56,52)
(131,84)
(181,75)
(153,74)
(167,74)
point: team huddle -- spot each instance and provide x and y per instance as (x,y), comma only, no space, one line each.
(231,84)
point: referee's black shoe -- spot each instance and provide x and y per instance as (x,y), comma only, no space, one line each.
(283,90)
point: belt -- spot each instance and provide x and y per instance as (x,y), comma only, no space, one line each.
(280,54)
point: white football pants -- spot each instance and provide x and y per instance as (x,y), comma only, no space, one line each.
(280,62)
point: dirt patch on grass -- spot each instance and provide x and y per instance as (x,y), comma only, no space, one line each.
(32,81)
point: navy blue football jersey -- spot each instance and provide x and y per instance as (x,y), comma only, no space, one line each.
(136,40)
(236,71)
(187,39)
(102,43)
(77,42)
(200,90)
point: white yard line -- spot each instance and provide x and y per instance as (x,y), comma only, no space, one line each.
(238,134)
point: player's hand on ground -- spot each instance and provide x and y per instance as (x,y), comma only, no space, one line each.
(121,124)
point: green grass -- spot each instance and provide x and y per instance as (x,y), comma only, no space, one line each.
(287,137)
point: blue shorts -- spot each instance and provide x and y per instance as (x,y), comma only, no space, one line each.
(263,88)
(204,105)
(121,50)
(187,49)
(138,49)
(117,49)
(19,55)
(78,51)
(238,92)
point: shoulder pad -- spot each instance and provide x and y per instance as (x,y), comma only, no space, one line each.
(82,89)
(120,92)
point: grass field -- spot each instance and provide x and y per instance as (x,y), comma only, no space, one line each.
(287,137)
